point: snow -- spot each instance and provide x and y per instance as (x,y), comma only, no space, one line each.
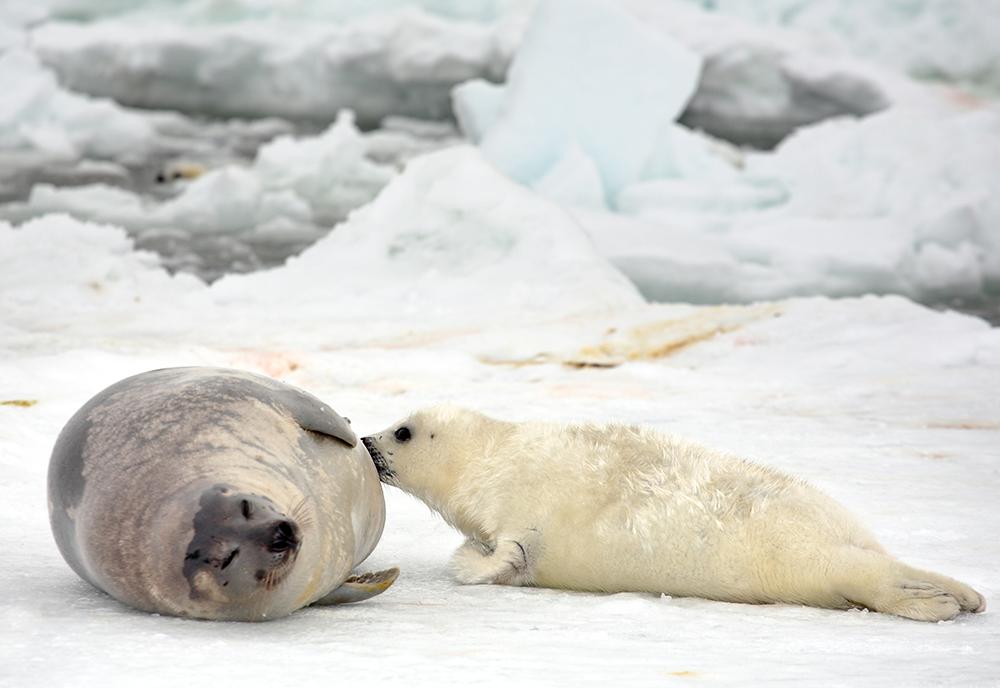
(58,274)
(838,209)
(885,405)
(446,280)
(449,240)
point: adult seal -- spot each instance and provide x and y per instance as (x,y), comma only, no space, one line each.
(215,494)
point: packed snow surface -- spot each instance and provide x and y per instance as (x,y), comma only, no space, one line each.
(885,405)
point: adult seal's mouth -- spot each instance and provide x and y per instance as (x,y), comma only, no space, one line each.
(385,473)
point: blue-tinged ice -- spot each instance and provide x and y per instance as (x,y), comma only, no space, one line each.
(582,67)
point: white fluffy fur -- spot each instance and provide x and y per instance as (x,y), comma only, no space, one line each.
(622,508)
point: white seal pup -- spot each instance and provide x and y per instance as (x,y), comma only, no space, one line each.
(619,508)
(215,494)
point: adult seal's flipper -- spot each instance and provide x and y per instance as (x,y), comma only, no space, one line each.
(312,414)
(361,586)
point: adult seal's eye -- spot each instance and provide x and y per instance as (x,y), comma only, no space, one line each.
(402,435)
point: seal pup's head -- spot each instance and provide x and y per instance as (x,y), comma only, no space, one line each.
(427,453)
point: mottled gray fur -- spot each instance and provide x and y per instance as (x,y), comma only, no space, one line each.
(135,468)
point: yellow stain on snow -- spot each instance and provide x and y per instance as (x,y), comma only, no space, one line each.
(664,338)
(649,337)
(23,403)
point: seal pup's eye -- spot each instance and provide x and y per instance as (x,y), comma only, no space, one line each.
(403,434)
(246,509)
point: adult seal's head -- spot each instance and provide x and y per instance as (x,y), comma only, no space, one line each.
(215,494)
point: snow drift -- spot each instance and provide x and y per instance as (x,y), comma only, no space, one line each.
(839,208)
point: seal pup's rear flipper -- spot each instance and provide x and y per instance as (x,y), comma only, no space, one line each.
(361,586)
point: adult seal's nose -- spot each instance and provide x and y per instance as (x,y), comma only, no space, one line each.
(284,537)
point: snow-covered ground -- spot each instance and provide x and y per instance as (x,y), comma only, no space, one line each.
(889,407)
(515,272)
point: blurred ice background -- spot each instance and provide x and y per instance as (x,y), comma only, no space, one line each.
(657,211)
(714,151)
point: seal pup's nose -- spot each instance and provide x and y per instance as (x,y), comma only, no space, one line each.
(284,537)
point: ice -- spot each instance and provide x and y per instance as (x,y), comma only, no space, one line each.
(293,65)
(757,94)
(547,127)
(945,204)
(449,240)
(839,209)
(391,58)
(240,207)
(759,84)
(478,104)
(36,114)
(553,101)
(49,134)
(450,237)
(574,180)
(293,186)
(953,41)
(197,11)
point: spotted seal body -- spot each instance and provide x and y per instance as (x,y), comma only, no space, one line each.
(215,494)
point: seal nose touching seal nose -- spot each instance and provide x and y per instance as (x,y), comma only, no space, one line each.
(385,472)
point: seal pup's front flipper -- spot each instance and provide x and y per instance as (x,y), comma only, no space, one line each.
(361,586)
(508,561)
(312,414)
